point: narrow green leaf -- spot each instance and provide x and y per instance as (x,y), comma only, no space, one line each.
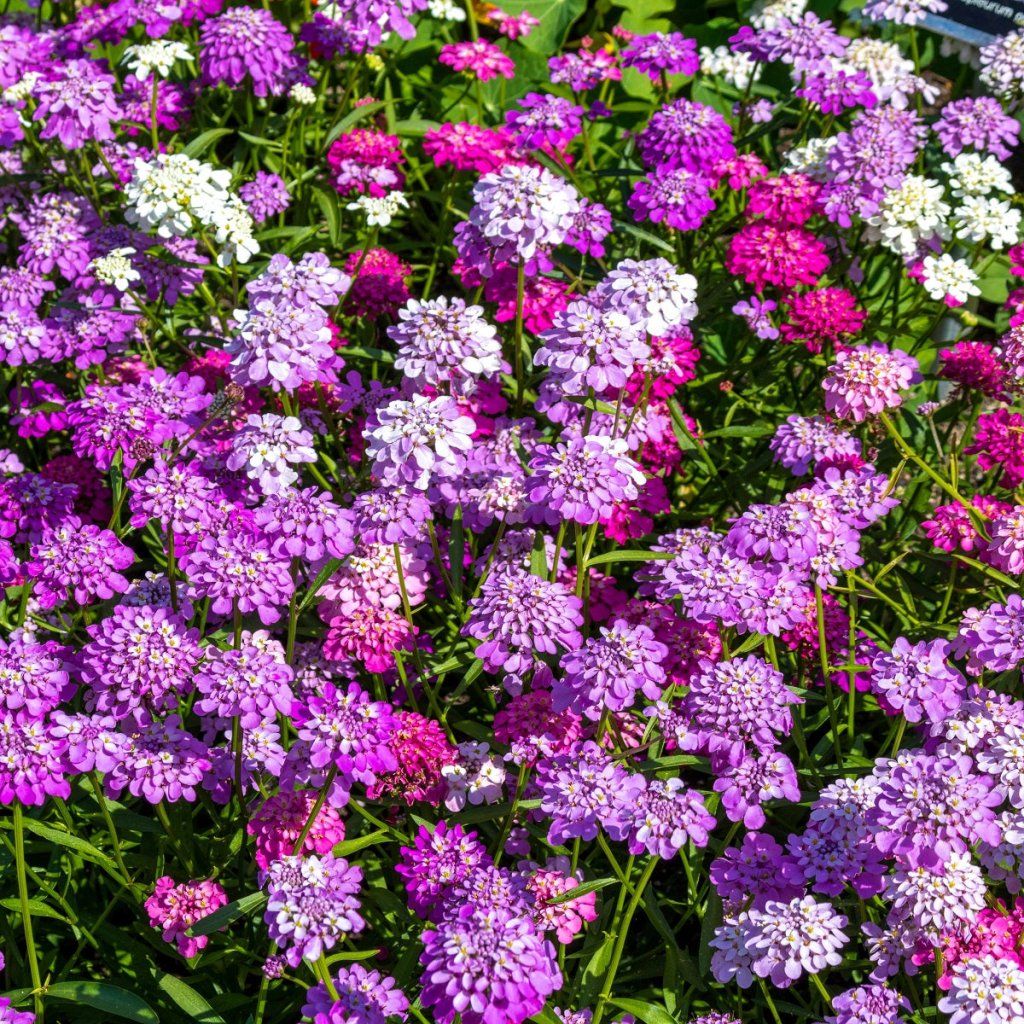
(321,578)
(66,839)
(582,890)
(35,907)
(644,236)
(348,956)
(189,1000)
(350,846)
(361,352)
(647,1012)
(684,437)
(100,995)
(201,143)
(596,967)
(457,552)
(539,556)
(259,140)
(749,430)
(328,203)
(630,555)
(712,919)
(597,404)
(414,126)
(352,117)
(225,915)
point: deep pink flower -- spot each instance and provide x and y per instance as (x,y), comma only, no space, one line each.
(482,59)
(175,907)
(764,253)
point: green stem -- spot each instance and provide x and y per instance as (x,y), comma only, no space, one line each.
(111,829)
(620,938)
(949,488)
(153,107)
(161,813)
(26,915)
(769,1001)
(317,807)
(833,718)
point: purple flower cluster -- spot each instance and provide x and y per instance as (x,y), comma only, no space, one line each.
(312,904)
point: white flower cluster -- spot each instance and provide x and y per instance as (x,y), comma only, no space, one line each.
(892,75)
(22,89)
(380,210)
(478,777)
(738,69)
(302,95)
(766,13)
(810,158)
(154,58)
(945,277)
(912,214)
(980,219)
(972,174)
(174,196)
(446,10)
(116,268)
(915,217)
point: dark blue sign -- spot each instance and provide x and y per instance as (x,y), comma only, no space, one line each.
(978,21)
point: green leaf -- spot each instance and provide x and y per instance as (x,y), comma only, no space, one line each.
(712,919)
(35,907)
(630,555)
(596,968)
(1000,577)
(597,404)
(461,660)
(539,556)
(995,284)
(118,1002)
(414,126)
(321,578)
(361,352)
(457,552)
(225,915)
(189,1000)
(347,956)
(647,1012)
(644,236)
(201,143)
(258,140)
(582,890)
(545,1016)
(684,438)
(350,846)
(644,16)
(750,430)
(353,117)
(328,203)
(80,846)
(556,18)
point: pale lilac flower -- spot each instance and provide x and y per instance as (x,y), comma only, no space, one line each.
(312,904)
(415,441)
(917,681)
(867,380)
(787,940)
(444,341)
(268,447)
(985,990)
